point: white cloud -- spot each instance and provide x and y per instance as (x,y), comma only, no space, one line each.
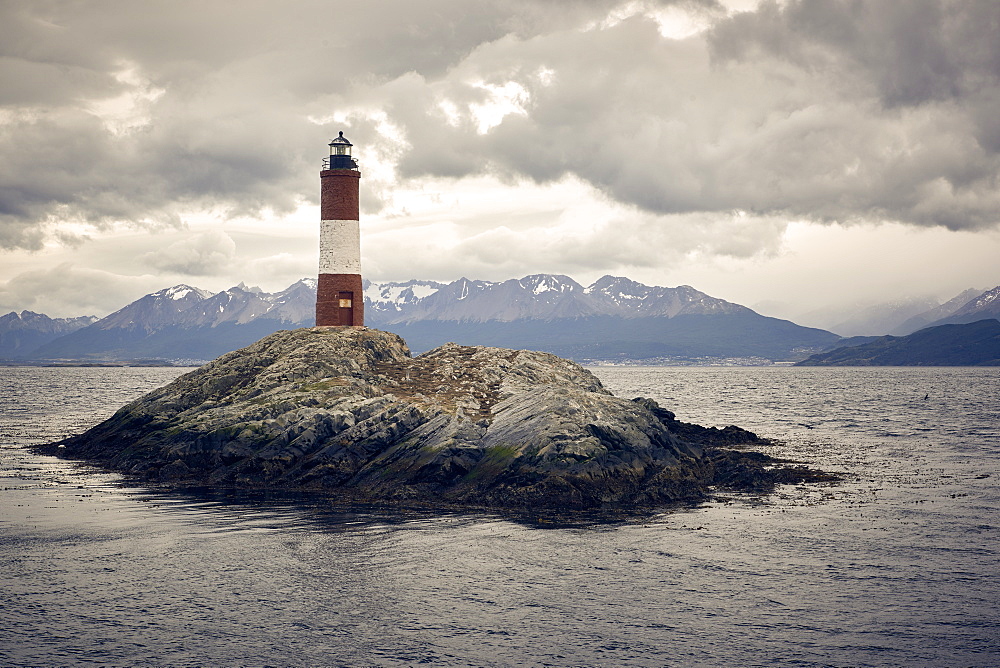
(208,253)
(129,110)
(503,100)
(66,290)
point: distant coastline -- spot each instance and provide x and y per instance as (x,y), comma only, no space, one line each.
(109,363)
(972,344)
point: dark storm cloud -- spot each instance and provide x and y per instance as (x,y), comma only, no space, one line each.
(828,111)
(133,112)
(914,52)
(185,146)
(934,71)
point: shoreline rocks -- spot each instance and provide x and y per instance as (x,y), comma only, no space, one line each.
(348,411)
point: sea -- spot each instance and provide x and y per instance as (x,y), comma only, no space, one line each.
(897,564)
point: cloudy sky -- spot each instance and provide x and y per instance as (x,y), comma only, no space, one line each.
(789,154)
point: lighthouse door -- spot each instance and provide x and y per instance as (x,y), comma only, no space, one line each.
(346,308)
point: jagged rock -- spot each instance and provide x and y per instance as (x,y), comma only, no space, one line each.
(348,410)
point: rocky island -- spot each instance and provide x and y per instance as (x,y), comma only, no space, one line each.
(349,412)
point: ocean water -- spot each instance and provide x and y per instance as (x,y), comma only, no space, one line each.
(897,565)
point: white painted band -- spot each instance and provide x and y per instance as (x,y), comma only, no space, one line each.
(339,247)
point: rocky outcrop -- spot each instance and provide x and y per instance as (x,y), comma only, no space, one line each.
(348,410)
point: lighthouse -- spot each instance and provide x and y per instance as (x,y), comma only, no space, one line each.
(339,298)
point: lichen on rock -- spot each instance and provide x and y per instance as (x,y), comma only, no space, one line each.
(348,410)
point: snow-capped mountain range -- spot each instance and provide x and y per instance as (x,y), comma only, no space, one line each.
(20,333)
(537,297)
(614,318)
(192,307)
(986,305)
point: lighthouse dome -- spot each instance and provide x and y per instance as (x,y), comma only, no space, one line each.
(341,140)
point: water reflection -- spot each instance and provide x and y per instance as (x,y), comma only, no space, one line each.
(241,510)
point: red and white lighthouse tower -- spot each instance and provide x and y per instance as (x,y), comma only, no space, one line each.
(339,297)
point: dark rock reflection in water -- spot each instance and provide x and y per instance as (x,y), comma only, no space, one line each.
(896,566)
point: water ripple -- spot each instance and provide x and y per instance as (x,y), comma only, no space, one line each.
(896,566)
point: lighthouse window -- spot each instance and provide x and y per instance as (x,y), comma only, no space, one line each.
(341,150)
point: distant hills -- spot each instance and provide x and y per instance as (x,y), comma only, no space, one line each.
(986,305)
(938,315)
(615,319)
(22,333)
(972,344)
(898,317)
(887,318)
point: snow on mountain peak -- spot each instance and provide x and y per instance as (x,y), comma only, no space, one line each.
(989,296)
(986,304)
(387,293)
(399,294)
(618,287)
(541,283)
(178,292)
(543,287)
(423,290)
(465,288)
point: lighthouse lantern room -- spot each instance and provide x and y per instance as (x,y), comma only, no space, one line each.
(340,154)
(339,298)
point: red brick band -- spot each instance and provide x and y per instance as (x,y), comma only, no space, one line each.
(339,194)
(331,290)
